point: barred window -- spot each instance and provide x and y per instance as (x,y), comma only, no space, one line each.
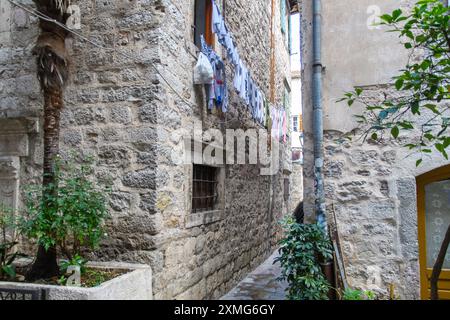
(204,188)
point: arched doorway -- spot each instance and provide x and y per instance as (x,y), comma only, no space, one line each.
(433,199)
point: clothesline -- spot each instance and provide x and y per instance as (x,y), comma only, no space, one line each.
(247,89)
(236,59)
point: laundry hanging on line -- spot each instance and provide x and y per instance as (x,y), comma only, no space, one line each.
(217,92)
(243,83)
(223,35)
(279,125)
(274,119)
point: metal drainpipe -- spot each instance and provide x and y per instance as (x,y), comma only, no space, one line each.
(318,117)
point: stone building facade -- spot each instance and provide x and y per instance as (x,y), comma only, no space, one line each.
(120,110)
(370,187)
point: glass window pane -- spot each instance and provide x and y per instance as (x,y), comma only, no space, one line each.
(437,217)
(200,21)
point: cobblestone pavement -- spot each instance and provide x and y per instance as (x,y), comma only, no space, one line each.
(261,284)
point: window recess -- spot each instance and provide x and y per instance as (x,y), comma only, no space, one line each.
(204,188)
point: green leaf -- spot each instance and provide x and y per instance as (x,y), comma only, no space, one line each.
(395,132)
(396,14)
(418,162)
(425,64)
(387,18)
(10,271)
(432,107)
(409,34)
(415,108)
(399,83)
(406,125)
(439,147)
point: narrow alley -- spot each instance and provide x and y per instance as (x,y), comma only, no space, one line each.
(261,284)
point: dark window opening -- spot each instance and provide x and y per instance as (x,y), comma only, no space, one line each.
(295,124)
(203,22)
(204,188)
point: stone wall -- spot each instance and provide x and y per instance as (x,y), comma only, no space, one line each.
(296,185)
(209,259)
(120,110)
(370,187)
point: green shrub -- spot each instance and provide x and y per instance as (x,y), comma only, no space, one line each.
(354,294)
(76,261)
(71,217)
(7,244)
(302,250)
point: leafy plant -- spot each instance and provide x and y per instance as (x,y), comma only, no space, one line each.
(91,278)
(423,85)
(354,294)
(7,244)
(370,295)
(77,261)
(62,281)
(302,250)
(95,278)
(74,219)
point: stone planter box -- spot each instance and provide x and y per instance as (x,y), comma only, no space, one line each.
(133,285)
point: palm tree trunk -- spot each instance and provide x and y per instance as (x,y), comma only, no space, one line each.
(45,265)
(52,72)
(52,117)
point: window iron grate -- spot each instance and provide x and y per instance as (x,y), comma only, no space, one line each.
(204,188)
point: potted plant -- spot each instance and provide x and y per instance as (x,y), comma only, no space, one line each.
(302,251)
(70,218)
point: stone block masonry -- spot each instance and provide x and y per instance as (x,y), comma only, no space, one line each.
(370,186)
(121,112)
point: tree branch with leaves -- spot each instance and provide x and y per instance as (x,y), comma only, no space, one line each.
(421,99)
(423,85)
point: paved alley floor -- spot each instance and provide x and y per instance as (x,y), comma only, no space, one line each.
(261,284)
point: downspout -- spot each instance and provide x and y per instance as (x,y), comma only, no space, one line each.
(318,117)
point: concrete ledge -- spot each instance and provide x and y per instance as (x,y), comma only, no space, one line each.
(134,285)
(14,133)
(203,218)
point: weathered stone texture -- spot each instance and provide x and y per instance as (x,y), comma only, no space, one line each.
(296,185)
(121,111)
(370,186)
(376,215)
